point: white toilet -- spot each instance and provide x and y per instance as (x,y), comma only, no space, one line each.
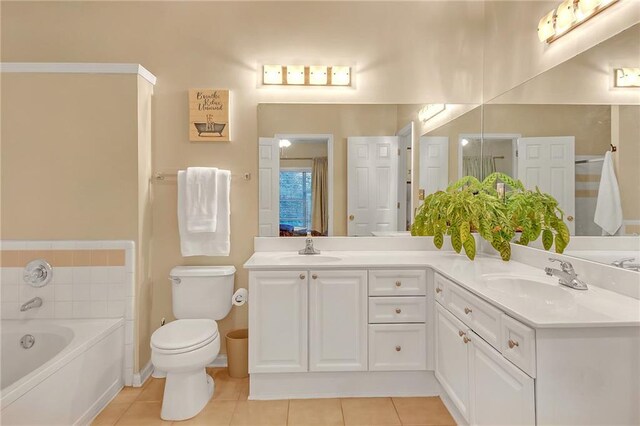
(184,347)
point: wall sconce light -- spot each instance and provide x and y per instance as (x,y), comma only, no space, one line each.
(427,112)
(569,15)
(306,75)
(626,77)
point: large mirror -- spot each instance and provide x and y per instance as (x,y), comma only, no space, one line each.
(353,169)
(573,133)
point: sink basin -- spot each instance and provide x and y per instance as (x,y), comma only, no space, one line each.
(530,290)
(303,259)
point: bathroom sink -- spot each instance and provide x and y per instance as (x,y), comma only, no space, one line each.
(528,289)
(302,259)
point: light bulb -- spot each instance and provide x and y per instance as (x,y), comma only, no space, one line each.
(464,142)
(340,76)
(317,75)
(545,26)
(272,74)
(565,16)
(295,74)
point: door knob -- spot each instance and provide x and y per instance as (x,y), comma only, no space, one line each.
(302,276)
(465,339)
(438,290)
(467,311)
(513,343)
(314,276)
(351,217)
(570,218)
(398,310)
(398,348)
(398,283)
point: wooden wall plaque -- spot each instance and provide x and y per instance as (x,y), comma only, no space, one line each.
(209,115)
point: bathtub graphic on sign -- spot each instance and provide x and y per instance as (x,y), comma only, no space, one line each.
(209,115)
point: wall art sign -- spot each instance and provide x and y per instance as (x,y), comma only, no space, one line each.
(209,115)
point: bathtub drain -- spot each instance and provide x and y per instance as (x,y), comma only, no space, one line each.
(27,341)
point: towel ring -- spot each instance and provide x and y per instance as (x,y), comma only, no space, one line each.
(613,148)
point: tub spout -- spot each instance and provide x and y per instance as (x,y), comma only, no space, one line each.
(36,302)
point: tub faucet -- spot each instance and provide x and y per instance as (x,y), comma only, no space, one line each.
(624,264)
(36,302)
(567,276)
(308,246)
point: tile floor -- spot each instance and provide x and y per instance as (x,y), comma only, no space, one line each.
(229,406)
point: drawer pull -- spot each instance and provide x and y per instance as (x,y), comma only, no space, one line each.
(465,339)
(467,311)
(398,310)
(398,283)
(314,276)
(461,333)
(398,348)
(513,343)
(302,276)
(438,290)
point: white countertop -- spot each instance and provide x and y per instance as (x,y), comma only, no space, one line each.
(595,307)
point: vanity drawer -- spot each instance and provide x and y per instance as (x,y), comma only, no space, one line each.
(394,347)
(518,344)
(397,309)
(480,316)
(439,285)
(397,283)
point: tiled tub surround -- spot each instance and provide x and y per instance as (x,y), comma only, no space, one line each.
(90,279)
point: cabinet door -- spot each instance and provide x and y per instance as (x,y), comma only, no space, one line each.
(338,321)
(278,321)
(452,358)
(500,393)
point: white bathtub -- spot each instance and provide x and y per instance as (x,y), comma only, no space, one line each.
(74,368)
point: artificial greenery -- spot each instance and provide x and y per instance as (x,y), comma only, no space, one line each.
(469,205)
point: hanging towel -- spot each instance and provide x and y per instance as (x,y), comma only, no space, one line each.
(202,199)
(608,214)
(206,243)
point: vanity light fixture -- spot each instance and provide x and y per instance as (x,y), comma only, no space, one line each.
(464,142)
(626,77)
(429,111)
(569,15)
(306,75)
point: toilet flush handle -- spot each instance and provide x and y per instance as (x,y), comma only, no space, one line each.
(175,280)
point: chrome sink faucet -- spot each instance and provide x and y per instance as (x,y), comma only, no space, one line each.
(624,264)
(308,246)
(567,276)
(36,302)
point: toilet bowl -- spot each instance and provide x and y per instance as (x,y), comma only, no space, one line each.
(183,348)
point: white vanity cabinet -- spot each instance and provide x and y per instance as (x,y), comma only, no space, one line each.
(278,321)
(338,321)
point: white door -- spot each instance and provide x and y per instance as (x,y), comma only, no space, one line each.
(549,164)
(452,358)
(500,393)
(338,321)
(434,163)
(278,321)
(372,175)
(269,187)
(405,138)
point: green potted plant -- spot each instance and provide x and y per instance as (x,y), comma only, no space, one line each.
(469,205)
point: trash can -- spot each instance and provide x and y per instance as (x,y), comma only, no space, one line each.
(238,353)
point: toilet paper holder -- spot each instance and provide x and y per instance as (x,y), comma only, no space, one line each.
(240,297)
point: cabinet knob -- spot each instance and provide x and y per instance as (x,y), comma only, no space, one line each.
(465,339)
(461,333)
(570,218)
(398,283)
(314,276)
(467,311)
(302,276)
(398,348)
(398,310)
(438,290)
(351,217)
(513,343)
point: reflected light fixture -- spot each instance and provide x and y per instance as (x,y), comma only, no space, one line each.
(569,15)
(627,77)
(284,143)
(429,111)
(306,75)
(464,142)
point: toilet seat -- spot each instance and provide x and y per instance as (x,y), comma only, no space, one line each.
(184,335)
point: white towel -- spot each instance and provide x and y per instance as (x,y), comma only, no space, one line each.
(608,207)
(202,199)
(206,243)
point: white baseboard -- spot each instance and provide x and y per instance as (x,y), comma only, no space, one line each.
(220,361)
(455,413)
(143,375)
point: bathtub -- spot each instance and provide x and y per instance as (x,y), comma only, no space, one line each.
(73,369)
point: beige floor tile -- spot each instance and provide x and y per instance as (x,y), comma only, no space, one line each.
(111,413)
(127,394)
(304,412)
(369,411)
(228,388)
(423,411)
(258,413)
(153,391)
(142,414)
(214,413)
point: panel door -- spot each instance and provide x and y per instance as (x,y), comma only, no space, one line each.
(338,321)
(434,163)
(372,184)
(269,188)
(452,358)
(549,164)
(500,393)
(278,321)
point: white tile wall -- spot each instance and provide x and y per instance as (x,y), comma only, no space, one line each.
(76,292)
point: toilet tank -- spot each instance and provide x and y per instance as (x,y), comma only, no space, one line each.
(201,292)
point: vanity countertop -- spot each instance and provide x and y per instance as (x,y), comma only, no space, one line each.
(560,308)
